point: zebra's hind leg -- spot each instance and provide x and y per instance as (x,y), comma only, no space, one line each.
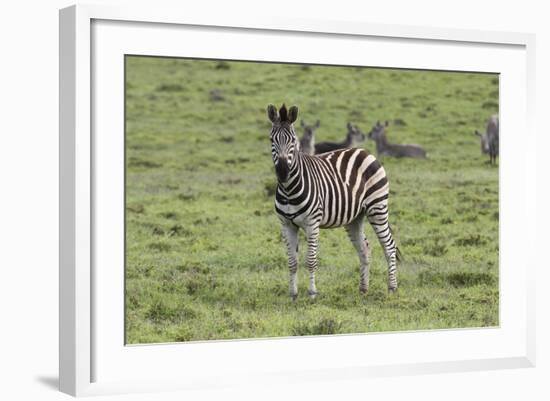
(378,218)
(357,237)
(290,232)
(312,235)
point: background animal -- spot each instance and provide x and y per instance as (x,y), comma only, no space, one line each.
(336,189)
(354,137)
(490,139)
(384,148)
(307,143)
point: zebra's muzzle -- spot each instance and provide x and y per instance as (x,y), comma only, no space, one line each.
(282,169)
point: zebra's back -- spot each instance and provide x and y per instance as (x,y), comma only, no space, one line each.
(352,181)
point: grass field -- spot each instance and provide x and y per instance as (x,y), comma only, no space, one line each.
(204,254)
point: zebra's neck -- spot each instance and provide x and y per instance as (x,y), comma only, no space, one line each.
(294,179)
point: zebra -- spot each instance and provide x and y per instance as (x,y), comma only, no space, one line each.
(331,190)
(307,143)
(354,137)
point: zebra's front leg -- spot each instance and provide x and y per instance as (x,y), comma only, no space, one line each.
(359,241)
(312,235)
(290,232)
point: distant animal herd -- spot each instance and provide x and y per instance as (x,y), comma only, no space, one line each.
(489,141)
(336,184)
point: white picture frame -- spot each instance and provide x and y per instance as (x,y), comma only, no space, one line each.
(96,361)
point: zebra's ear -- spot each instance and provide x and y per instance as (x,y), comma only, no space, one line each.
(387,123)
(349,126)
(292,114)
(317,124)
(272,113)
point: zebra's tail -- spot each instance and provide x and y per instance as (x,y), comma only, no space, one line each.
(398,254)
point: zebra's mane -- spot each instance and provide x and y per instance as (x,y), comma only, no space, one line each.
(283,114)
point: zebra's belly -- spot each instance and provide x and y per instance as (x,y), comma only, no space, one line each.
(335,222)
(302,221)
(291,213)
(298,214)
(326,216)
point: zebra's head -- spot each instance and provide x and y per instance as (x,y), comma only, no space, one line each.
(284,142)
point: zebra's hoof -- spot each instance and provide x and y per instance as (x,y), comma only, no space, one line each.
(363,290)
(293,297)
(392,290)
(312,295)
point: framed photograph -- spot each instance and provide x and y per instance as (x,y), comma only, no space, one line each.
(254,200)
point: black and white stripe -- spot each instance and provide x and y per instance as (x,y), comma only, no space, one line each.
(335,189)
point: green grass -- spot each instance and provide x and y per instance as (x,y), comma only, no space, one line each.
(204,254)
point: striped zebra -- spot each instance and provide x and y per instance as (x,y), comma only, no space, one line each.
(331,190)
